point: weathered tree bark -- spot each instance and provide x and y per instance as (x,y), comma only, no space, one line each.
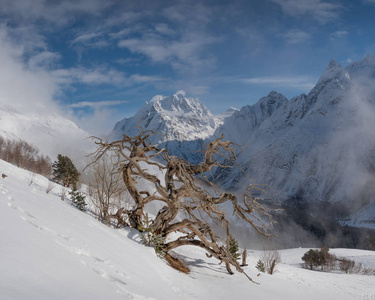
(181,193)
(244,255)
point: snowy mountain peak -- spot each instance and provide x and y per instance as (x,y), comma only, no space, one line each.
(271,102)
(180,104)
(174,118)
(334,70)
(242,123)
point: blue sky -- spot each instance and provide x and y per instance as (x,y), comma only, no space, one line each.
(99,61)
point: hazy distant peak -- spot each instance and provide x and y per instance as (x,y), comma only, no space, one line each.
(364,67)
(370,58)
(334,70)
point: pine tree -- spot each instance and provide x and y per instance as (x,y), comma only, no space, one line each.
(260,266)
(64,171)
(233,248)
(150,238)
(78,198)
(311,258)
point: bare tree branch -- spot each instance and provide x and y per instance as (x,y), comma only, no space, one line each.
(180,192)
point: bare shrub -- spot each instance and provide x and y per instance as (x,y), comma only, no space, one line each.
(346,265)
(63,192)
(331,262)
(49,187)
(368,271)
(106,190)
(26,156)
(270,259)
(31,178)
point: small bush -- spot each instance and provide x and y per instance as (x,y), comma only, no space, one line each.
(260,266)
(315,258)
(311,258)
(347,265)
(49,187)
(331,262)
(149,237)
(271,259)
(78,199)
(233,248)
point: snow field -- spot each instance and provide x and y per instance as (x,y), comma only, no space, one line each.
(51,250)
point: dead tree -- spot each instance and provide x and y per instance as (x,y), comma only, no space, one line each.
(244,256)
(106,190)
(176,186)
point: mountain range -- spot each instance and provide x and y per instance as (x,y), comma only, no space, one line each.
(318,147)
(314,148)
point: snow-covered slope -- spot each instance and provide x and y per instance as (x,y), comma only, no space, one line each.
(175,118)
(50,133)
(51,250)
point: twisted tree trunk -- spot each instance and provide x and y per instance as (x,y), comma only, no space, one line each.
(181,193)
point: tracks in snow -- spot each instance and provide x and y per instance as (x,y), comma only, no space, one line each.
(99,265)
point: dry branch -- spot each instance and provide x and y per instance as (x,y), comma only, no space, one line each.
(180,193)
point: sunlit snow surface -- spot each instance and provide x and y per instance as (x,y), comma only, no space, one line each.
(51,250)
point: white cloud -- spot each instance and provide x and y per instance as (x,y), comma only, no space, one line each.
(302,82)
(98,104)
(85,37)
(44,59)
(296,36)
(60,12)
(319,10)
(179,38)
(30,89)
(182,54)
(339,34)
(163,28)
(94,76)
(137,78)
(180,92)
(99,123)
(198,89)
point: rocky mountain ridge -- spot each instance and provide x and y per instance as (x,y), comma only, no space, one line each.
(319,146)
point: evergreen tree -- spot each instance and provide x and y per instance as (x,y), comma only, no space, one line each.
(317,258)
(78,198)
(64,171)
(150,238)
(311,258)
(233,248)
(260,266)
